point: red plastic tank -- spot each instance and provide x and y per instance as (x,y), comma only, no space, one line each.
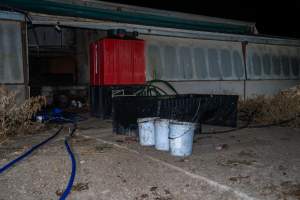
(117,62)
(94,67)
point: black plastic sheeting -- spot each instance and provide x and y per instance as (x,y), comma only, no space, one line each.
(100,101)
(204,109)
(101,98)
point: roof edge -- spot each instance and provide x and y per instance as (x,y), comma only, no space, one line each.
(162,12)
(127,14)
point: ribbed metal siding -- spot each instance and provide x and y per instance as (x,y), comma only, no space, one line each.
(118,62)
(11,61)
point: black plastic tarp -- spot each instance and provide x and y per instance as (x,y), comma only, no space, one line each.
(204,109)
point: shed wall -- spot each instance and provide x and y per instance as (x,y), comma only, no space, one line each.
(176,59)
(11,65)
(219,67)
(273,62)
(13,75)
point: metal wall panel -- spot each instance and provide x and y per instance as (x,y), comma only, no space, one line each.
(49,36)
(191,59)
(8,15)
(11,59)
(272,62)
(251,89)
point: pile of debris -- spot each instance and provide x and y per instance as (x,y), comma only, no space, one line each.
(280,109)
(16,118)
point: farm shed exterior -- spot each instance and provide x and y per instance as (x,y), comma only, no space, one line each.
(195,54)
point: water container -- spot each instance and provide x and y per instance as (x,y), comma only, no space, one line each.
(162,134)
(181,138)
(147,131)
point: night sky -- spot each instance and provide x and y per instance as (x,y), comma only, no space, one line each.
(275,17)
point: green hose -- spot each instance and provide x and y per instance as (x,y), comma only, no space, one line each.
(152,90)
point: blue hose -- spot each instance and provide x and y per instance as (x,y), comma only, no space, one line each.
(72,157)
(73,173)
(11,163)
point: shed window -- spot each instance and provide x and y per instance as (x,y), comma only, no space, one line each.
(155,69)
(238,65)
(285,65)
(276,65)
(200,63)
(267,64)
(295,66)
(172,69)
(214,70)
(256,64)
(226,65)
(186,62)
(175,59)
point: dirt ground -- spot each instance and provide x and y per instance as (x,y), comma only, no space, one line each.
(246,164)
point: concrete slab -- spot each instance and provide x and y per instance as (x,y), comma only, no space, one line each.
(247,164)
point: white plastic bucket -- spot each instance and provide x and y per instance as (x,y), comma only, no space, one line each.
(147,131)
(181,138)
(162,134)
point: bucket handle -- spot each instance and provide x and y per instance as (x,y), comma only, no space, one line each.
(180,135)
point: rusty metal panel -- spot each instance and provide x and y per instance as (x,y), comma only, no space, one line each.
(177,59)
(273,62)
(11,60)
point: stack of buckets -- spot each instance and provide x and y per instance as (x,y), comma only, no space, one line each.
(167,135)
